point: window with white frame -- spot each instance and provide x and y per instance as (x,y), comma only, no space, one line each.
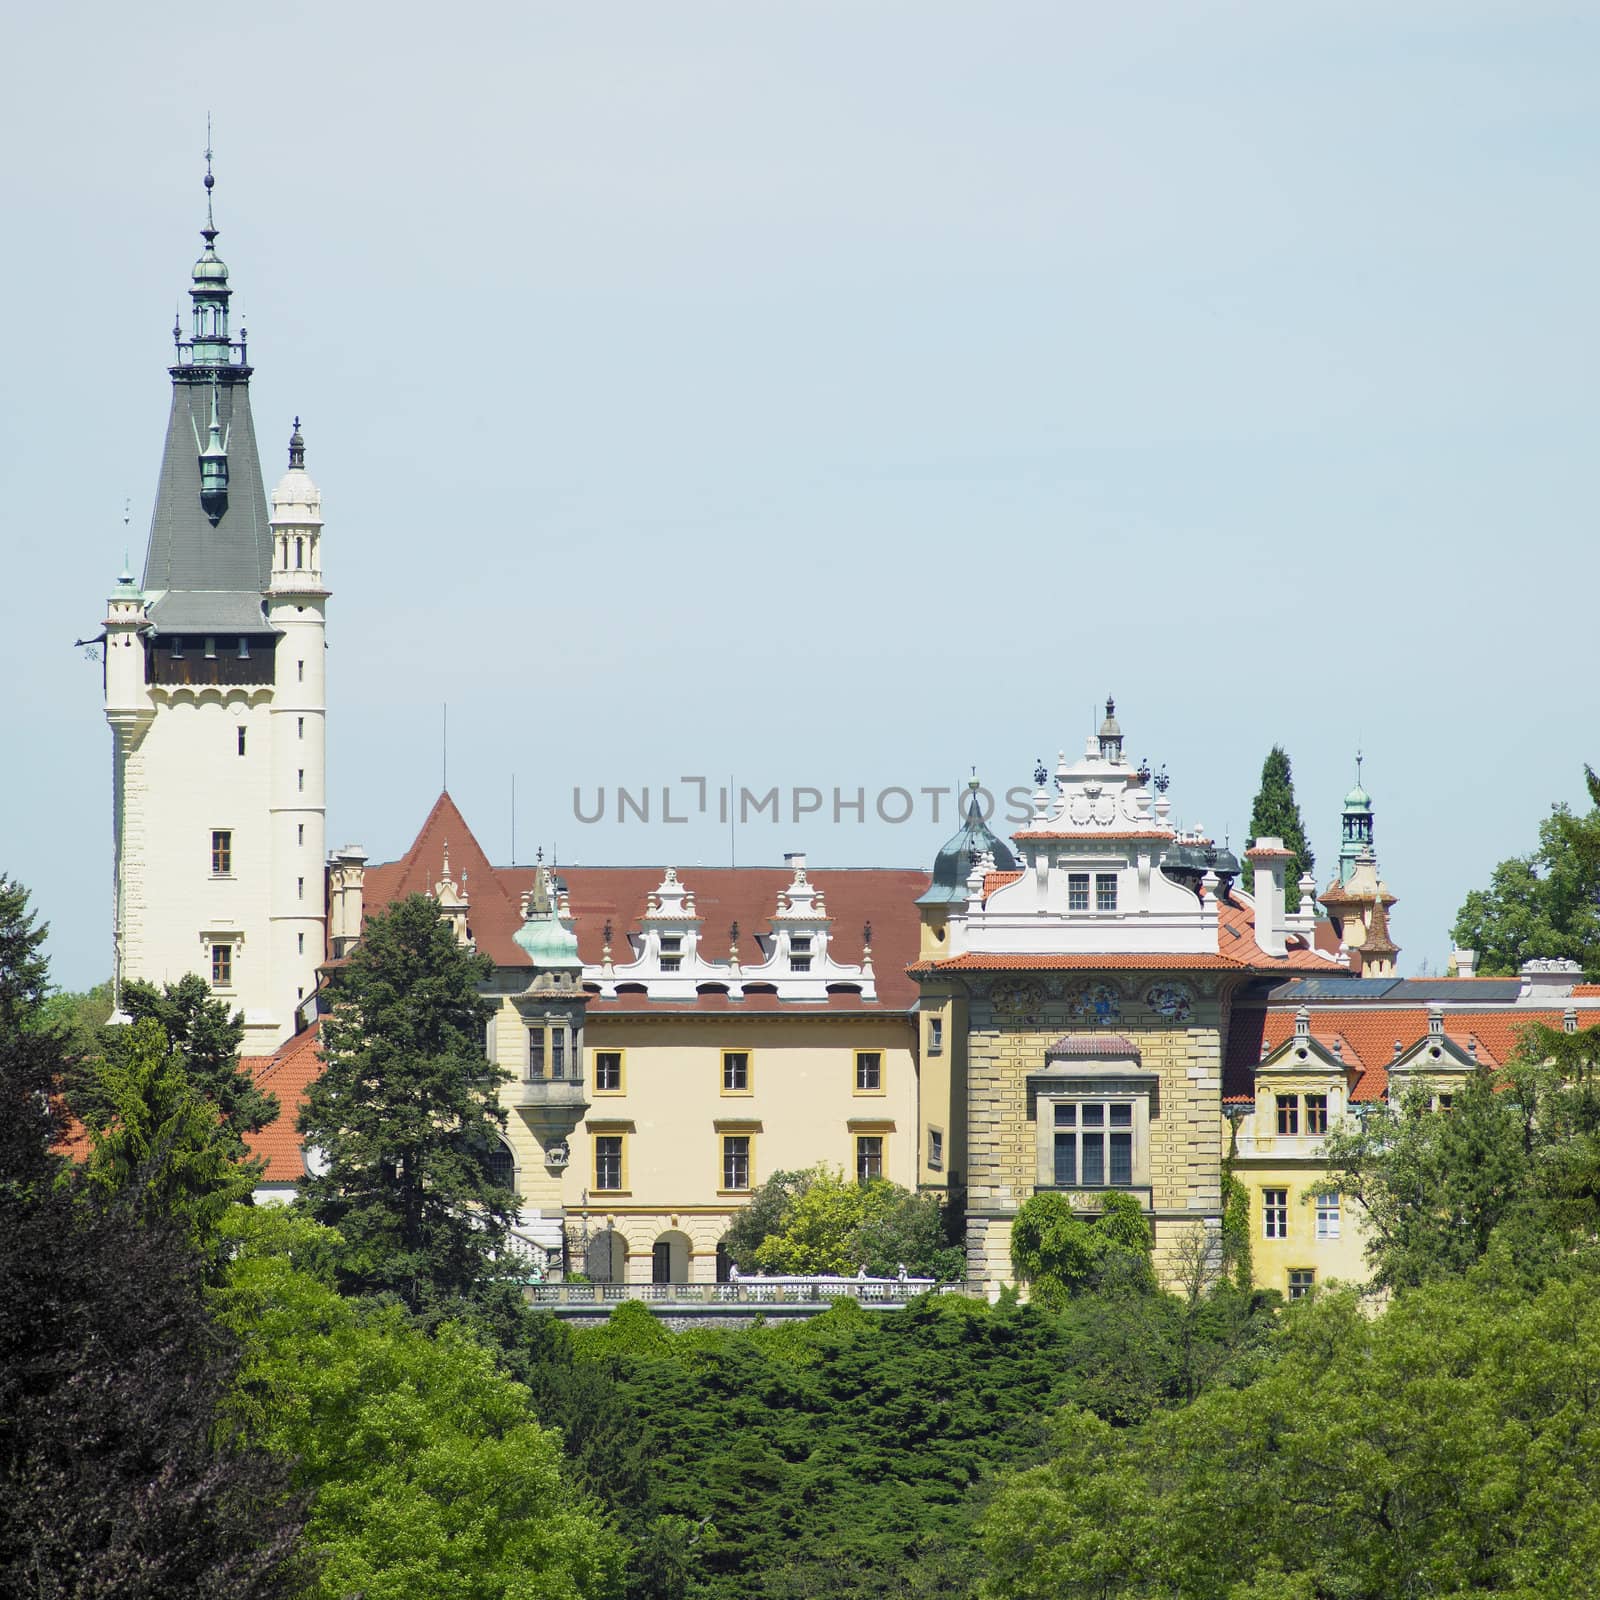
(1077,891)
(1275,1213)
(671,952)
(800,952)
(1328,1216)
(1105,891)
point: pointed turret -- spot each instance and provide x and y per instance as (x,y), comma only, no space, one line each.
(209,556)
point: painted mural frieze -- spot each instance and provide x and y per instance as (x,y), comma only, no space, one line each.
(1098,1002)
(1171,1000)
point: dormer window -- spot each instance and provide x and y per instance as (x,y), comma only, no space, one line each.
(211,649)
(800,952)
(177,646)
(244,648)
(671,952)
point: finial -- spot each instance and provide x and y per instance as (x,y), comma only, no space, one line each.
(1040,772)
(1111,706)
(1359,759)
(297,447)
(538,855)
(866,937)
(210,231)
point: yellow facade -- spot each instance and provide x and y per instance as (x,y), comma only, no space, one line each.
(696,1112)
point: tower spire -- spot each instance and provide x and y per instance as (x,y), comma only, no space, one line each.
(210,231)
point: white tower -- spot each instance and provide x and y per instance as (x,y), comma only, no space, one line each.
(213,690)
(297,608)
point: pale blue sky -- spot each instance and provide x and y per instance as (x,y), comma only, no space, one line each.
(838,394)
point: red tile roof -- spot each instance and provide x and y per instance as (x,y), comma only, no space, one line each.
(884,896)
(988,962)
(997,880)
(1369,1038)
(1095,835)
(287,1073)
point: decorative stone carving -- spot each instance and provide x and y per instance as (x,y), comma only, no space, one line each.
(1171,1000)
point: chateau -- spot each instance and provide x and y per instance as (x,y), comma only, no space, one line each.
(1093,1005)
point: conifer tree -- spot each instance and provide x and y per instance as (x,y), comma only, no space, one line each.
(118,1476)
(1276,814)
(405,1114)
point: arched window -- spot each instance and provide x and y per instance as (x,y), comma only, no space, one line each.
(501,1165)
(299,550)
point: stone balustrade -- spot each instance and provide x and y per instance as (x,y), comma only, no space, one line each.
(753,1292)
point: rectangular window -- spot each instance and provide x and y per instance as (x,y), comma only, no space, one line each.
(300,727)
(1105,891)
(1275,1213)
(1288,1113)
(1328,1216)
(222,966)
(1301,1280)
(300,672)
(244,648)
(608,1161)
(558,1052)
(300,833)
(936,1149)
(1316,1113)
(221,852)
(1077,891)
(1444,1102)
(535,1053)
(1093,1145)
(736,1072)
(800,952)
(211,649)
(241,741)
(935,1035)
(869,1157)
(869,1072)
(736,1161)
(177,647)
(300,780)
(300,944)
(299,888)
(608,1072)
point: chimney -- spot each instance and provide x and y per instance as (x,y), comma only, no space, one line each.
(1271,862)
(794,860)
(1466,963)
(346,881)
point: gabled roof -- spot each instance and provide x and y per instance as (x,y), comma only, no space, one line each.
(884,896)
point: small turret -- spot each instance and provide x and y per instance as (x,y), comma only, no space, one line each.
(296,525)
(1110,734)
(214,464)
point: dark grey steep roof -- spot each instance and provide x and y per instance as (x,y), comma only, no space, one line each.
(209,576)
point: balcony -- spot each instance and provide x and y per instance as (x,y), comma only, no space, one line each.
(546,1094)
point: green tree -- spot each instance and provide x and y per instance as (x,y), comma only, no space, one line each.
(79,1017)
(1275,813)
(1058,1251)
(827,1223)
(432,1476)
(1544,905)
(157,1134)
(1517,1158)
(1449,1446)
(205,1036)
(118,1477)
(761,1215)
(405,1114)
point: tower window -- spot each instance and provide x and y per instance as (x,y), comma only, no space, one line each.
(299,888)
(300,728)
(300,780)
(241,740)
(299,833)
(221,966)
(221,852)
(300,671)
(300,944)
